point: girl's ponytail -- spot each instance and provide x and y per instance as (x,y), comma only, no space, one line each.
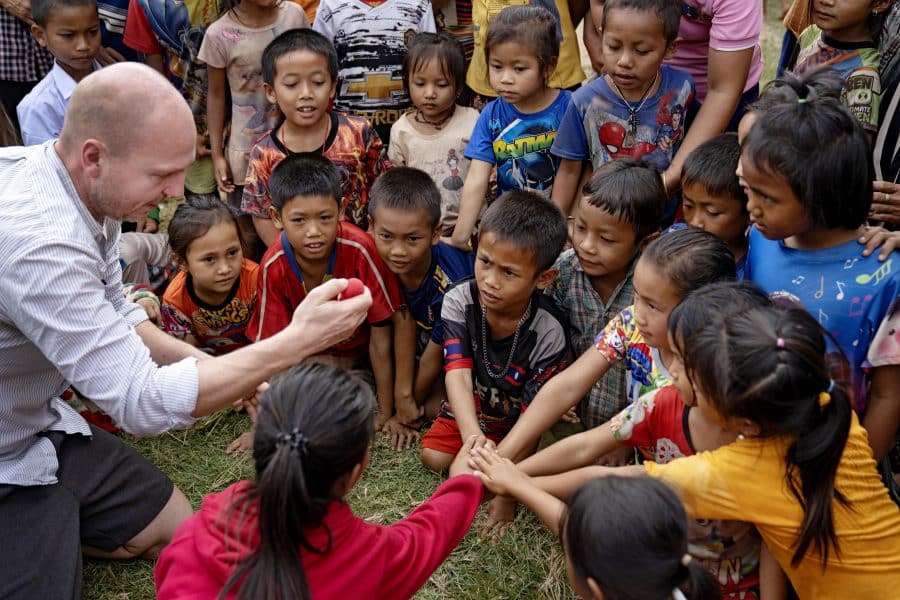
(768,365)
(313,429)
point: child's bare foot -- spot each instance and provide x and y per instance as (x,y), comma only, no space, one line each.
(243,443)
(501,514)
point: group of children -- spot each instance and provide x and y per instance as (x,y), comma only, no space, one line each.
(768,408)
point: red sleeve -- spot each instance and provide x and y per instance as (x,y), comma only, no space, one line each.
(273,307)
(138,33)
(371,270)
(418,544)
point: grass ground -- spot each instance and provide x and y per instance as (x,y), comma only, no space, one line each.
(526,563)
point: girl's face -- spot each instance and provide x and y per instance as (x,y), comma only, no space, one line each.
(846,20)
(774,208)
(431,91)
(214,261)
(679,376)
(516,74)
(654,298)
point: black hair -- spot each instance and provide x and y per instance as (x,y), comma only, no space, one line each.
(713,164)
(304,174)
(193,218)
(691,258)
(819,148)
(408,189)
(529,221)
(630,190)
(40,9)
(668,11)
(294,40)
(441,47)
(314,427)
(630,535)
(825,83)
(768,365)
(530,26)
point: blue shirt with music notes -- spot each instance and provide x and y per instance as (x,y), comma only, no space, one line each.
(848,293)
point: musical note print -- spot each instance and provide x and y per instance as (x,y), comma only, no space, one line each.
(848,264)
(798,280)
(821,291)
(856,300)
(823,317)
(840,287)
(876,277)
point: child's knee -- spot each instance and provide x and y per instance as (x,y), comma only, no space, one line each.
(434,460)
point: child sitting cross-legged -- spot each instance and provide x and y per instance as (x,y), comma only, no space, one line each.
(315,246)
(616,216)
(405,217)
(502,340)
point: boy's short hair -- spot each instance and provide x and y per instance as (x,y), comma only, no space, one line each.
(668,11)
(408,189)
(40,9)
(630,190)
(304,174)
(713,164)
(530,221)
(294,40)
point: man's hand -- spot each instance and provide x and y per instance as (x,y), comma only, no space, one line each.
(320,321)
(885,202)
(20,9)
(151,307)
(108,56)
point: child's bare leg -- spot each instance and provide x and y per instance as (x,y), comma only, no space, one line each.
(435,460)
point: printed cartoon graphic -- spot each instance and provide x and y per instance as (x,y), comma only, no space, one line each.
(454,181)
(523,156)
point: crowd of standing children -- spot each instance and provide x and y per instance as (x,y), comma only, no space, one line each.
(694,279)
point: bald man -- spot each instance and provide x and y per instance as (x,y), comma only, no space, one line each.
(64,485)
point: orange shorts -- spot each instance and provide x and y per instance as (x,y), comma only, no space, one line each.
(444,436)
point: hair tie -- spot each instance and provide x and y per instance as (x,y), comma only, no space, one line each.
(295,439)
(802,100)
(830,386)
(780,342)
(686,559)
(825,397)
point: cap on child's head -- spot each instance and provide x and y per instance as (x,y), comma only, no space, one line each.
(713,165)
(668,11)
(632,191)
(295,40)
(407,189)
(41,9)
(304,174)
(529,221)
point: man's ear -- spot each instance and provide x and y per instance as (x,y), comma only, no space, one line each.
(546,277)
(276,218)
(93,154)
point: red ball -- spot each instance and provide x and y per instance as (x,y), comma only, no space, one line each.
(355,287)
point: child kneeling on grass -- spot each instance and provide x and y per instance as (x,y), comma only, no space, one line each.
(289,533)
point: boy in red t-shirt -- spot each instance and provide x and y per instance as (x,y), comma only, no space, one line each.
(315,246)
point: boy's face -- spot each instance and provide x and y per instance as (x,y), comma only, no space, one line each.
(404,239)
(634,46)
(310,223)
(72,35)
(506,276)
(604,243)
(303,88)
(723,216)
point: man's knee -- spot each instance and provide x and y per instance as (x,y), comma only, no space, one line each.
(156,535)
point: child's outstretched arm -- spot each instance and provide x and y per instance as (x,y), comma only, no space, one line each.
(470,203)
(459,395)
(579,450)
(557,396)
(429,370)
(405,366)
(500,476)
(564,484)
